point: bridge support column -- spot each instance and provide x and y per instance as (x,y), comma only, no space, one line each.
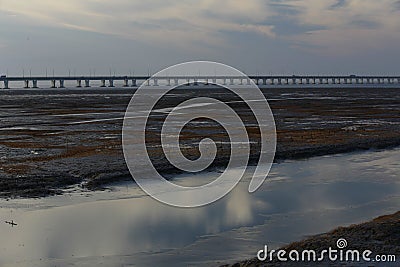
(248,81)
(87,83)
(6,85)
(26,84)
(134,84)
(103,83)
(34,84)
(231,82)
(176,82)
(111,83)
(168,82)
(61,84)
(53,84)
(78,83)
(272,81)
(126,83)
(279,81)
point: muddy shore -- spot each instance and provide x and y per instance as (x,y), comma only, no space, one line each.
(53,139)
(381,236)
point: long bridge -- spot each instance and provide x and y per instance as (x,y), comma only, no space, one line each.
(135,81)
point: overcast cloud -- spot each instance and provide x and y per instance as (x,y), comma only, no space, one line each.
(270,36)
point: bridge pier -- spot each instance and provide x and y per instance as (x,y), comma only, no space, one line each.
(87,83)
(78,83)
(53,84)
(103,83)
(61,84)
(111,83)
(5,85)
(35,84)
(26,84)
(126,83)
(134,83)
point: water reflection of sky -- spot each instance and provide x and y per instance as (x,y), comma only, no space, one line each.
(301,198)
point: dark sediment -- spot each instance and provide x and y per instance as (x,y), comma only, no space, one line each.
(381,236)
(44,150)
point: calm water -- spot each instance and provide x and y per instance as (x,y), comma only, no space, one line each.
(123,227)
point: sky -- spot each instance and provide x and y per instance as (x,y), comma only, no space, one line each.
(254,36)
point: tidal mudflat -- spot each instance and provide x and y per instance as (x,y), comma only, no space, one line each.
(123,227)
(51,139)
